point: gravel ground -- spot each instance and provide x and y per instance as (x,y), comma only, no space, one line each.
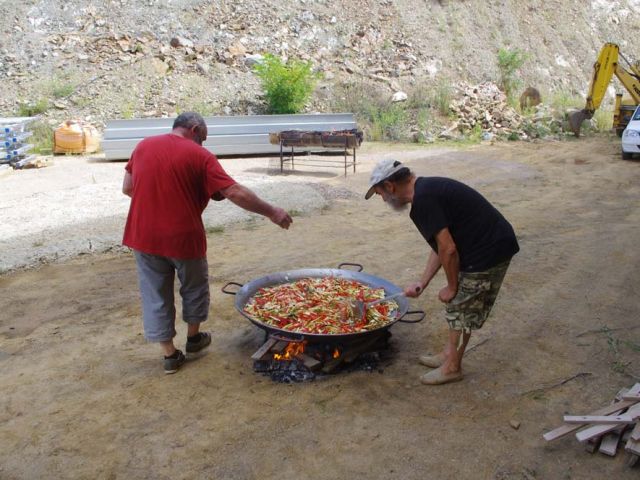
(76,206)
(84,396)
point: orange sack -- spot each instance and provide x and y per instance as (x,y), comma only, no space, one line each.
(73,136)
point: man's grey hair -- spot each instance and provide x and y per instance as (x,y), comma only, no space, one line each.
(189,120)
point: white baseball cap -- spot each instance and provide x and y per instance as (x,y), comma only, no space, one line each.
(383,170)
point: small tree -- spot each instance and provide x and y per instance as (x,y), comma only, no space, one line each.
(287,86)
(509,62)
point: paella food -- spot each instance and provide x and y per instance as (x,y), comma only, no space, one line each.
(321,306)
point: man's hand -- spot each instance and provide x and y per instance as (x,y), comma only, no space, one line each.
(447,294)
(414,290)
(247,199)
(281,218)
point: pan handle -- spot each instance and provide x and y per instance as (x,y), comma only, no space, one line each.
(226,290)
(420,314)
(275,336)
(357,265)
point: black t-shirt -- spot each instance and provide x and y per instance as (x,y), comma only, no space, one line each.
(483,237)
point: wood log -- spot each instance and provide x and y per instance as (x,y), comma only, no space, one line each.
(263,349)
(309,362)
(279,347)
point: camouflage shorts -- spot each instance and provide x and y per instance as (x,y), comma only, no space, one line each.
(477,292)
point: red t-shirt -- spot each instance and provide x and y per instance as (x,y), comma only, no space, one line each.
(173,180)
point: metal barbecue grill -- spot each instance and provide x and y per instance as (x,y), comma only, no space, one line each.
(346,140)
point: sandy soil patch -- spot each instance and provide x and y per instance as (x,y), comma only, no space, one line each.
(85,397)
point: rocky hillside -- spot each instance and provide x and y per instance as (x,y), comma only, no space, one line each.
(133,58)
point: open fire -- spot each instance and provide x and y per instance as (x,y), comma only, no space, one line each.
(296,350)
(296,361)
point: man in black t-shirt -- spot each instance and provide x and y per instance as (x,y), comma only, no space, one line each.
(469,238)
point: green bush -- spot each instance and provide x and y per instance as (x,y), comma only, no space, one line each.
(475,134)
(442,97)
(30,109)
(427,95)
(41,137)
(509,62)
(127,111)
(562,100)
(388,123)
(359,98)
(62,89)
(287,86)
(381,119)
(423,122)
(603,120)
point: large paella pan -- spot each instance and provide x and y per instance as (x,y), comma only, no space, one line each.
(244,296)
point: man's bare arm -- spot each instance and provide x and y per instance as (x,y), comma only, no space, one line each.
(450,261)
(248,200)
(127,184)
(433,265)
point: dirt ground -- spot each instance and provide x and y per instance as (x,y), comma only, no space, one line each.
(83,395)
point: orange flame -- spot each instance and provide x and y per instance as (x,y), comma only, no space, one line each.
(293,349)
(336,353)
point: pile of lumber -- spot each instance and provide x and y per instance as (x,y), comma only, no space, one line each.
(607,428)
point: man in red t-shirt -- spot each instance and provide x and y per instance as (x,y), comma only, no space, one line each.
(170,179)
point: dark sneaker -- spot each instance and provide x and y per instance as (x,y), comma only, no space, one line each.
(203,340)
(171,365)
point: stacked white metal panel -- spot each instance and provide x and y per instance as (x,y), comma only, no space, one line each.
(232,135)
(14,149)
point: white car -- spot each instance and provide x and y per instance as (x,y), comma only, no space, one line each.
(631,136)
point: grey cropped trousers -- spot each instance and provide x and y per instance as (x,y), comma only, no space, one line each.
(156,276)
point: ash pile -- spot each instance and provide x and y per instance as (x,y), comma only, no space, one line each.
(294,362)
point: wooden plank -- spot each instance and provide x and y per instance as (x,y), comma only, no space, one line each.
(310,362)
(632,446)
(635,433)
(263,349)
(280,346)
(592,445)
(597,430)
(601,419)
(614,409)
(633,393)
(569,428)
(609,444)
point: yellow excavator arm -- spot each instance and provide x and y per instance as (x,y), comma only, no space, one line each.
(603,70)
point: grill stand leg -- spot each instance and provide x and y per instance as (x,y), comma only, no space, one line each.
(354,160)
(281,157)
(292,165)
(345,161)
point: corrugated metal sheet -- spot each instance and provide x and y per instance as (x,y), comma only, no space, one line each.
(233,135)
